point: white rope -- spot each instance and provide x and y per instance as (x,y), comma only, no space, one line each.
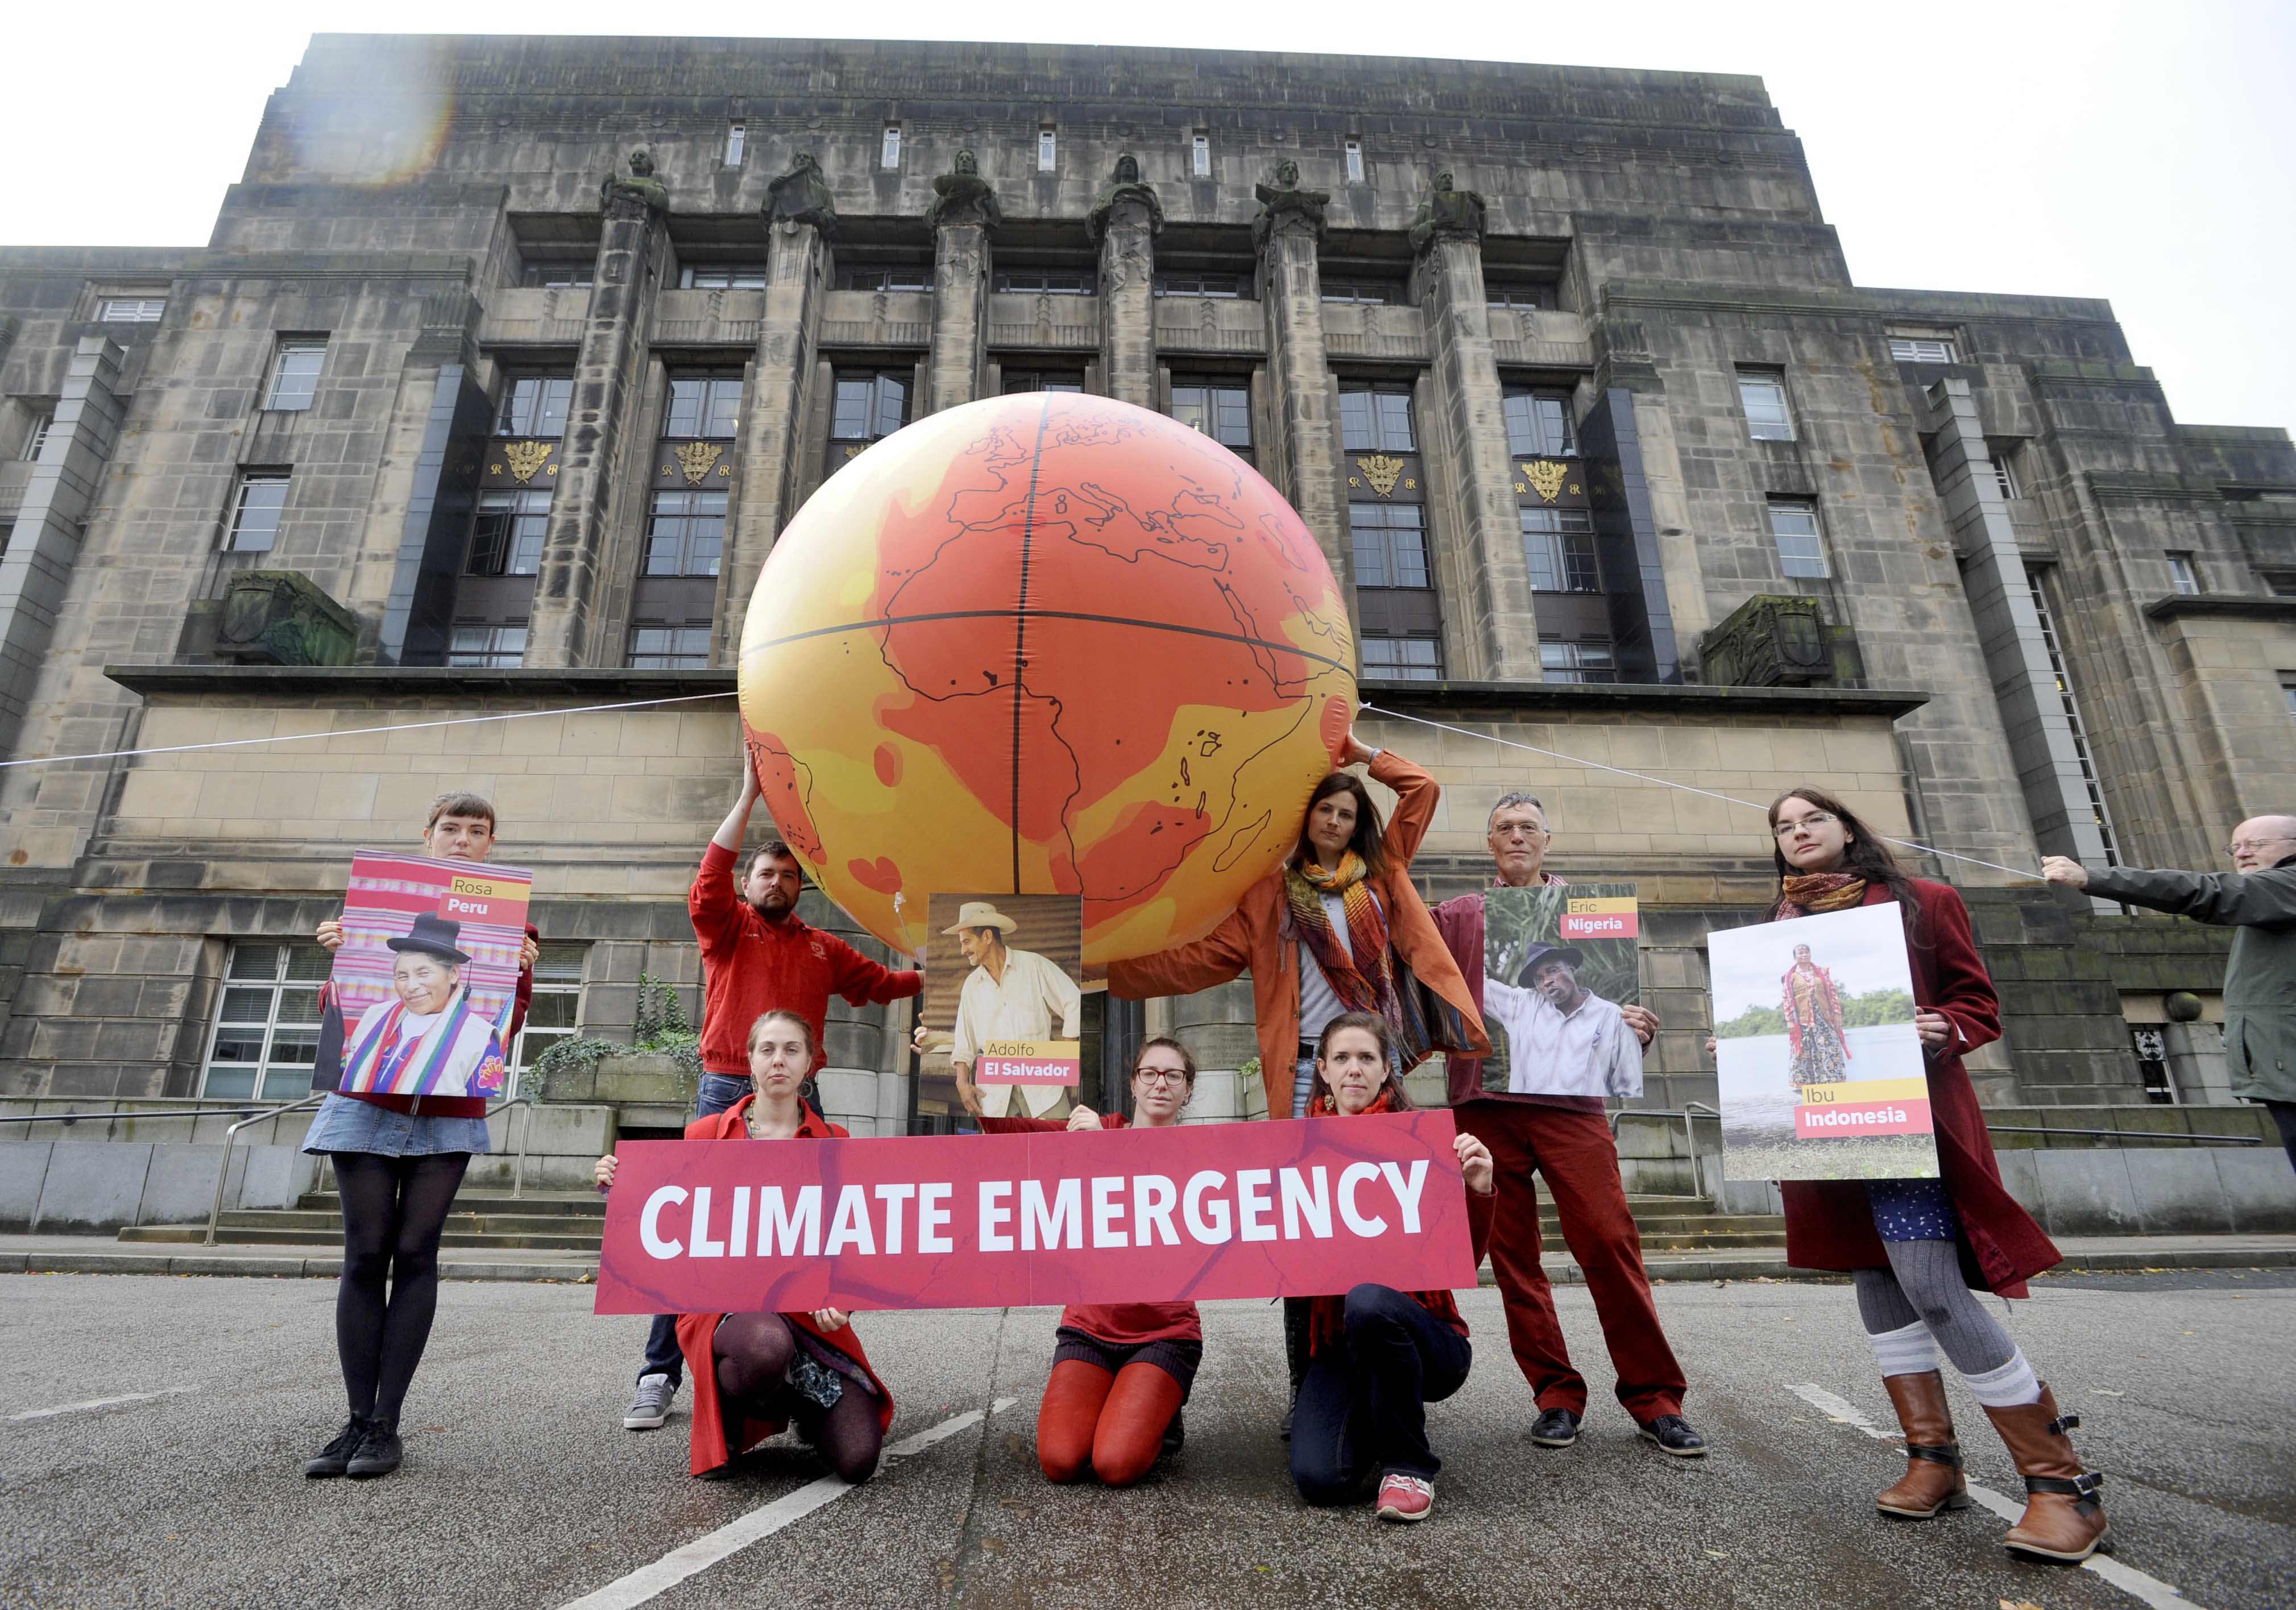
(405,726)
(1667,783)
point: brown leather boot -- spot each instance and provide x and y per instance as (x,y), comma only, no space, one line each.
(2064,1523)
(1933,1480)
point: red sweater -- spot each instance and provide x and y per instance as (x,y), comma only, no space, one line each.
(750,966)
(1118,1324)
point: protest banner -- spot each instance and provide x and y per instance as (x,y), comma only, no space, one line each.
(1821,1075)
(1559,959)
(398,911)
(1137,1215)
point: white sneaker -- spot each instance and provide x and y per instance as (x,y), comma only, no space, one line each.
(650,1406)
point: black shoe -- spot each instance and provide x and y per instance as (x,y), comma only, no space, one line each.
(378,1453)
(1674,1435)
(335,1457)
(1556,1429)
(1175,1434)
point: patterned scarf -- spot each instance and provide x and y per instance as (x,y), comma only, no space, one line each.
(1327,1316)
(1361,973)
(1804,893)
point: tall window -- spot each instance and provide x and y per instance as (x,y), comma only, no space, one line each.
(1559,546)
(36,436)
(1018,380)
(1762,394)
(1376,419)
(669,648)
(1576,662)
(557,1002)
(2184,575)
(737,141)
(704,405)
(1923,349)
(1216,287)
(1793,527)
(722,276)
(131,310)
(2034,581)
(686,534)
(1199,157)
(267,1026)
(1355,162)
(1401,658)
(255,512)
(295,375)
(885,276)
(1048,150)
(1375,292)
(507,534)
(1219,408)
(2004,472)
(534,405)
(889,154)
(869,407)
(561,276)
(483,645)
(1390,545)
(1045,281)
(1537,422)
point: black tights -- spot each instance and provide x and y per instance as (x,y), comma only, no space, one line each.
(394,1210)
(753,1351)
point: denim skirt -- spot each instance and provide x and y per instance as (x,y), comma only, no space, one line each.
(345,1125)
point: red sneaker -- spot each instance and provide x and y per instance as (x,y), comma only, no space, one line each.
(1404,1498)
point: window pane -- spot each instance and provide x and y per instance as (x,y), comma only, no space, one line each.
(561,963)
(254,962)
(309,964)
(281,1083)
(245,1006)
(685,401)
(737,137)
(1539,553)
(1580,573)
(550,417)
(293,1049)
(296,376)
(723,416)
(232,1084)
(1764,400)
(1394,409)
(892,405)
(1355,421)
(299,1005)
(255,523)
(1407,547)
(851,422)
(1794,528)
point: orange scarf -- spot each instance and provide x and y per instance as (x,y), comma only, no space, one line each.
(1803,893)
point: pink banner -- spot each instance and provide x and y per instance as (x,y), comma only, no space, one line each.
(1909,1118)
(1295,1208)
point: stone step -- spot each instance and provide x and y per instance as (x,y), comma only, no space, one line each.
(578,1205)
(243,1235)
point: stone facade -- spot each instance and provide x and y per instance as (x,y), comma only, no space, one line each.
(1586,328)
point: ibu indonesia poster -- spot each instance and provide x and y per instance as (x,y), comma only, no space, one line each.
(1559,960)
(1822,1074)
(1004,993)
(420,996)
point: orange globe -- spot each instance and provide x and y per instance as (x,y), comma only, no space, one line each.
(1045,644)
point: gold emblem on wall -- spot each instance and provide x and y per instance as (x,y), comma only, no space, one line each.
(1382,472)
(1545,477)
(524,458)
(697,459)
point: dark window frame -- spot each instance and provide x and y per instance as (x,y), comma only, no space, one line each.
(1387,546)
(503,543)
(1370,426)
(706,410)
(1086,283)
(270,513)
(277,397)
(497,652)
(1428,667)
(1223,406)
(532,403)
(686,533)
(1795,507)
(674,647)
(1538,422)
(1558,544)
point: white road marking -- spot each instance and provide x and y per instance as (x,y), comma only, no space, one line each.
(650,1582)
(2156,1594)
(93,1404)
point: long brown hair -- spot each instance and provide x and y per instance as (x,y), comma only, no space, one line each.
(1867,855)
(1368,833)
(1399,1099)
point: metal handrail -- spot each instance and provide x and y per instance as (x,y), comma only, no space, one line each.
(1687,1112)
(2146,1134)
(172,1112)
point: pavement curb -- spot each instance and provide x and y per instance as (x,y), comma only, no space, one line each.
(268,1268)
(2079,1263)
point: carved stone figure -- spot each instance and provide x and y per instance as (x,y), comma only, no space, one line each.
(1285,208)
(1447,213)
(1124,185)
(964,197)
(641,191)
(801,196)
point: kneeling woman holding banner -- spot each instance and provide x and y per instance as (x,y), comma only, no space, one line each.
(1121,1370)
(755,1373)
(1377,1357)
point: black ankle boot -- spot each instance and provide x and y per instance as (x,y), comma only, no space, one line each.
(335,1457)
(378,1453)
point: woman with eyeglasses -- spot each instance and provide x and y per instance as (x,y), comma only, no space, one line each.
(1918,1249)
(1120,1370)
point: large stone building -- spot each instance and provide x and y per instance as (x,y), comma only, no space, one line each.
(466,408)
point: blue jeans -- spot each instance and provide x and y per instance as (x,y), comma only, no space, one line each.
(663,1356)
(1363,1410)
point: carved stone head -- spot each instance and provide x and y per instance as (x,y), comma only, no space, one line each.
(642,163)
(1287,174)
(967,163)
(1127,169)
(805,163)
(1443,180)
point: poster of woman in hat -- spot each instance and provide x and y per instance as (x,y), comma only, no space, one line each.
(429,1039)
(1011,1024)
(1559,959)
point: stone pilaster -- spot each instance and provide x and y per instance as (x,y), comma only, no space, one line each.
(1124,224)
(964,215)
(1304,465)
(2000,599)
(609,372)
(37,570)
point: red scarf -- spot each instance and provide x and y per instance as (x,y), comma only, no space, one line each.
(1327,1316)
(1803,893)
(1362,972)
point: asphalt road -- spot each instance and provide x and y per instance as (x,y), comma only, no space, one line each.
(521,1490)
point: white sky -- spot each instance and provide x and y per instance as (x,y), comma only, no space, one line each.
(2144,153)
(1862,947)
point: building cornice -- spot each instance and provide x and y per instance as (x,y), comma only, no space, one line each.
(377,683)
(2222,606)
(1681,701)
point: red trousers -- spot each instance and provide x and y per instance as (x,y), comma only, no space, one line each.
(1575,1151)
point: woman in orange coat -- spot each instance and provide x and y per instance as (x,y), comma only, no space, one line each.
(755,1373)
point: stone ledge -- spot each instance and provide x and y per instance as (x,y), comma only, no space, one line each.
(606,685)
(1689,699)
(2221,605)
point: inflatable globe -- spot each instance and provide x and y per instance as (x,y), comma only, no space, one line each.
(1045,644)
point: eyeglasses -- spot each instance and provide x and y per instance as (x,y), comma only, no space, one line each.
(2238,844)
(1815,819)
(1159,1076)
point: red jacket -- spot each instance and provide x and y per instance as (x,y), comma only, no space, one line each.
(1830,1223)
(697,1333)
(750,966)
(1257,934)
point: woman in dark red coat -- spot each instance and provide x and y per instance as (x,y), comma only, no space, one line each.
(755,1373)
(1917,1247)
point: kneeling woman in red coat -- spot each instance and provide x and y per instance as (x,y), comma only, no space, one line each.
(1121,1370)
(1377,1357)
(1916,1247)
(755,1373)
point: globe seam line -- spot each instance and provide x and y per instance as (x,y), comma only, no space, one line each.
(887,621)
(1020,628)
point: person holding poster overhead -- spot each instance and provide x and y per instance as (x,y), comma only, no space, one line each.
(400,1128)
(754,1374)
(1010,995)
(1916,1247)
(1120,1370)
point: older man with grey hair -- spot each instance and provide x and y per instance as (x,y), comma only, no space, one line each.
(2258,897)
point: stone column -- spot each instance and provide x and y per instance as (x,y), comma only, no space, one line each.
(803,221)
(36,569)
(607,372)
(964,215)
(1125,223)
(2000,598)
(1287,231)
(1495,616)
